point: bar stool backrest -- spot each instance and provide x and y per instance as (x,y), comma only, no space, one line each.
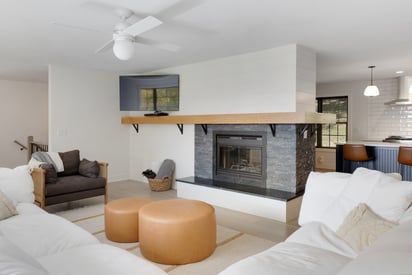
(405,155)
(355,152)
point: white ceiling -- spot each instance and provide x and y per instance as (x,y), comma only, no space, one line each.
(347,35)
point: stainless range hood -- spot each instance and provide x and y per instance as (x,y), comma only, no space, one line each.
(405,90)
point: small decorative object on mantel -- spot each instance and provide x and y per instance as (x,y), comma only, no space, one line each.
(163,180)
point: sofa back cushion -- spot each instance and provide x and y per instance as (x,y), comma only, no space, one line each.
(51,174)
(17,184)
(71,162)
(385,195)
(322,189)
(90,169)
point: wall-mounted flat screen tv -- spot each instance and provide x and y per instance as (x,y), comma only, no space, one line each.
(156,93)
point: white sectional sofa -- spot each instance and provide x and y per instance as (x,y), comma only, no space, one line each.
(350,224)
(35,242)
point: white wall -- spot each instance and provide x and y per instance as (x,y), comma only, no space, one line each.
(369,118)
(23,113)
(84,114)
(305,80)
(264,81)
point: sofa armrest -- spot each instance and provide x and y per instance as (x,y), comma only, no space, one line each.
(104,173)
(39,183)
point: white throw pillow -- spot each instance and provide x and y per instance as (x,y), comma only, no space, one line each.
(362,227)
(390,198)
(321,190)
(17,184)
(7,208)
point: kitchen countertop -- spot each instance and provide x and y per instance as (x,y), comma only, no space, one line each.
(371,142)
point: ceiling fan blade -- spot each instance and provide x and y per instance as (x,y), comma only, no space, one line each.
(143,25)
(105,47)
(179,8)
(157,44)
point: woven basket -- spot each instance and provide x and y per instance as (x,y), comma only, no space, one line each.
(160,184)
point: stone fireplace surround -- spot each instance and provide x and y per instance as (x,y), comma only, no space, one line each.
(289,155)
(290,158)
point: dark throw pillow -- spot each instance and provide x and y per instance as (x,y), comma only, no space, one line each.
(51,174)
(89,168)
(71,162)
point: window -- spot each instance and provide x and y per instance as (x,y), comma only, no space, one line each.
(329,135)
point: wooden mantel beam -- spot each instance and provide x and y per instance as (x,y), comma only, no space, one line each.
(248,118)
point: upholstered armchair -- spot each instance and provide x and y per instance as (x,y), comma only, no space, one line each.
(80,180)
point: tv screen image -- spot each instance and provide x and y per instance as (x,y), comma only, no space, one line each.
(155,93)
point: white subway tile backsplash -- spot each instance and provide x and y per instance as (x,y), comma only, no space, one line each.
(384,120)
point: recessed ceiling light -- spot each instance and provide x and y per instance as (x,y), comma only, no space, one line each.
(399,72)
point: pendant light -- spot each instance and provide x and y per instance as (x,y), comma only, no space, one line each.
(371,90)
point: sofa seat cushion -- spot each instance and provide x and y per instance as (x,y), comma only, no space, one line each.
(13,260)
(390,254)
(44,234)
(25,208)
(99,259)
(317,234)
(76,183)
(290,258)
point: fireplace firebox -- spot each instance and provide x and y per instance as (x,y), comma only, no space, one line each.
(240,157)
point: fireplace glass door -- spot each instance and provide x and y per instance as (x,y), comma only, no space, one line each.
(238,159)
(239,156)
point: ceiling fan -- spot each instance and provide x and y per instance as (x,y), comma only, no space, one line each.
(126,34)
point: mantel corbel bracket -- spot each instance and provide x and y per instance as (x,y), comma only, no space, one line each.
(311,128)
(314,128)
(304,129)
(204,127)
(136,127)
(273,129)
(180,126)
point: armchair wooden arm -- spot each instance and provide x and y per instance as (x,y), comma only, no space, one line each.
(104,174)
(39,181)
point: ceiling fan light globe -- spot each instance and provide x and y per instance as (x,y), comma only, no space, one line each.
(371,90)
(123,49)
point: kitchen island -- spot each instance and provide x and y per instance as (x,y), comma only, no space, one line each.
(386,158)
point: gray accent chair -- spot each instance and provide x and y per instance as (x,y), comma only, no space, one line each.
(75,183)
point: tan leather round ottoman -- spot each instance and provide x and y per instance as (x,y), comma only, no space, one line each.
(177,231)
(121,219)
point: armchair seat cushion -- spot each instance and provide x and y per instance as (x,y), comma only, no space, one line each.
(75,183)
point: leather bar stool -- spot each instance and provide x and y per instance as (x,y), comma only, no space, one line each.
(404,158)
(356,153)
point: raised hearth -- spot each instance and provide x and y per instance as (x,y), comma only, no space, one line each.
(246,189)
